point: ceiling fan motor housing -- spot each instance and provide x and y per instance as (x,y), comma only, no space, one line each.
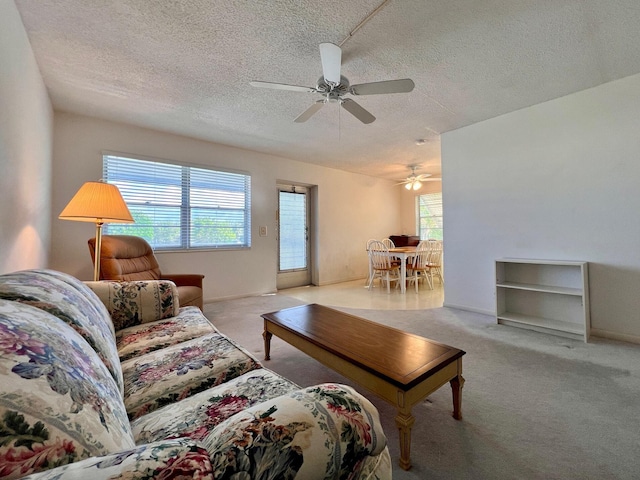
(343,87)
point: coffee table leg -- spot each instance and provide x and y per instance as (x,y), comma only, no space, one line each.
(456,388)
(267,343)
(404,421)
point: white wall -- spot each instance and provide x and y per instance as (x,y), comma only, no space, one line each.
(25,149)
(351,208)
(559,180)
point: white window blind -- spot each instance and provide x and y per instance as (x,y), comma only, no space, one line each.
(181,207)
(430,216)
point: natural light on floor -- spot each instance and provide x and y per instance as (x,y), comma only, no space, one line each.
(356,295)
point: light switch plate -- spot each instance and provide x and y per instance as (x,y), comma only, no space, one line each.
(263,231)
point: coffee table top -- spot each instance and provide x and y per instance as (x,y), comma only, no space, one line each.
(401,358)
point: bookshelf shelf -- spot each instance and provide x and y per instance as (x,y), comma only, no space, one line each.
(549,296)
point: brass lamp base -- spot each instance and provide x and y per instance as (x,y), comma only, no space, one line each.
(96,253)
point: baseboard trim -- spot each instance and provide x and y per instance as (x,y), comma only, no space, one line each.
(621,337)
(470,309)
(333,282)
(257,294)
(234,297)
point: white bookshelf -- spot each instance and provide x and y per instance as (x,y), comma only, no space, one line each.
(550,296)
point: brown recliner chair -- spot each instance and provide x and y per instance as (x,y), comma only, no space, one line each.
(126,258)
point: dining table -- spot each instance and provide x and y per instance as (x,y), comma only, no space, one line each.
(402,253)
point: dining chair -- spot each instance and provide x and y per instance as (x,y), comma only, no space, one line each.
(435,260)
(382,266)
(419,266)
(389,244)
(369,260)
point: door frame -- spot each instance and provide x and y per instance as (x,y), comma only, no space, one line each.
(292,279)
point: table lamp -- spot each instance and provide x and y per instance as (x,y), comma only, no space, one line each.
(99,203)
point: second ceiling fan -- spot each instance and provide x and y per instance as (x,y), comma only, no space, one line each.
(333,87)
(414,182)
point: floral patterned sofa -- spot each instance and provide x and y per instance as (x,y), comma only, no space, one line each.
(115,380)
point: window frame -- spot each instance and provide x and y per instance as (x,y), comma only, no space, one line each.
(187,204)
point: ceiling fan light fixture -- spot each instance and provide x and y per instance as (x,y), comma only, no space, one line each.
(414,181)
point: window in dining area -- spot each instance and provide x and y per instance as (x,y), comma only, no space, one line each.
(429,216)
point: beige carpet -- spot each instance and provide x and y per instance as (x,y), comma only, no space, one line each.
(535,406)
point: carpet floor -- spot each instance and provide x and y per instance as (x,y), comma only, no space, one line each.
(535,406)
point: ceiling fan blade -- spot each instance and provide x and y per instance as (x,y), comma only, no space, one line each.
(308,113)
(282,86)
(389,86)
(357,111)
(331,56)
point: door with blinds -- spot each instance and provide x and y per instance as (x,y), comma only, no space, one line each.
(294,268)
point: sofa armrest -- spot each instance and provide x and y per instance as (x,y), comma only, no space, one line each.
(179,458)
(184,279)
(323,431)
(136,302)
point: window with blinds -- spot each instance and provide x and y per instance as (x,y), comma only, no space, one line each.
(181,207)
(429,210)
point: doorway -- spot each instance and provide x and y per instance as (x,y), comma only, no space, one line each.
(294,254)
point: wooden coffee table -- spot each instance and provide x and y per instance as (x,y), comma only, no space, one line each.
(400,367)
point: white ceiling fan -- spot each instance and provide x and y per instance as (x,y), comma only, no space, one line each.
(333,87)
(414,182)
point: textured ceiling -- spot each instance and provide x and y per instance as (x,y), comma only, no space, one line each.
(185,67)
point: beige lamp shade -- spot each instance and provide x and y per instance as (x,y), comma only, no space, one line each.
(97,202)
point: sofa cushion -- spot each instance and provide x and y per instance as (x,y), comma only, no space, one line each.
(58,402)
(142,301)
(195,417)
(377,467)
(71,301)
(189,323)
(176,372)
(165,460)
(325,428)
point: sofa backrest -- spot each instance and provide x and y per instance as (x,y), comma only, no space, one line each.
(67,298)
(58,402)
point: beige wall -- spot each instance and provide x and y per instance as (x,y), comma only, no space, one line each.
(351,208)
(25,150)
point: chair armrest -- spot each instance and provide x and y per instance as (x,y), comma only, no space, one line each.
(185,279)
(179,458)
(323,431)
